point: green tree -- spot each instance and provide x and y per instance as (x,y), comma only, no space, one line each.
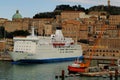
(20,33)
(2,32)
(112,10)
(58,10)
(17,33)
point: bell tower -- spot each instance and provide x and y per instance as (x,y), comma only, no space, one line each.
(108,3)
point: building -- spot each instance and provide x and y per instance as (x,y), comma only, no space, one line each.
(99,14)
(2,45)
(17,15)
(68,15)
(74,29)
(19,23)
(102,52)
(2,21)
(112,31)
(111,43)
(114,19)
(75,24)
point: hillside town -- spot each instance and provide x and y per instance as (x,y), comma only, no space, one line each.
(81,27)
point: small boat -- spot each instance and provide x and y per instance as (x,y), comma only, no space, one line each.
(76,67)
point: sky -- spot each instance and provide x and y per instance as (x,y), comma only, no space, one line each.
(28,8)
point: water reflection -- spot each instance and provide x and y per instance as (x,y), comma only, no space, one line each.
(10,71)
(5,70)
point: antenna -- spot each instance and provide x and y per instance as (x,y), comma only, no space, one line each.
(108,3)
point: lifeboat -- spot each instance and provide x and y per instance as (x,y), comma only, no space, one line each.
(58,44)
(61,44)
(72,69)
(76,68)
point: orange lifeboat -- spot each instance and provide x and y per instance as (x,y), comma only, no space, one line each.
(78,67)
(72,69)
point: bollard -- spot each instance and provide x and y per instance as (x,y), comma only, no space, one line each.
(116,74)
(110,76)
(63,75)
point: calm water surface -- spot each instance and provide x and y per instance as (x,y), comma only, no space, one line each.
(9,71)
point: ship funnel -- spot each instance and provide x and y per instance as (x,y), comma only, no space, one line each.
(33,33)
(58,34)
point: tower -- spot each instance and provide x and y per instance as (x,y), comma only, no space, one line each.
(108,3)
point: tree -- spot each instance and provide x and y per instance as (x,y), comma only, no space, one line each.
(17,33)
(20,33)
(58,10)
(112,10)
(2,32)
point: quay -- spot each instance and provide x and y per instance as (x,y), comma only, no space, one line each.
(5,57)
(102,58)
(101,73)
(105,74)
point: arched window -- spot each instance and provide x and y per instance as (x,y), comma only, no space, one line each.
(113,55)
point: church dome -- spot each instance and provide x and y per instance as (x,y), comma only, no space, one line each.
(17,15)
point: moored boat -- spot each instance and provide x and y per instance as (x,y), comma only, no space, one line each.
(45,49)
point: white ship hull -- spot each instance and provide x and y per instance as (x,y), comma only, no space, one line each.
(27,57)
(50,54)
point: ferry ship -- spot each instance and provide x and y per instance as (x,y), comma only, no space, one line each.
(43,49)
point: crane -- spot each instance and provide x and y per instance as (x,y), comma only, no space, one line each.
(83,65)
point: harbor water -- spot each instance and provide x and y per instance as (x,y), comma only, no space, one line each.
(9,71)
